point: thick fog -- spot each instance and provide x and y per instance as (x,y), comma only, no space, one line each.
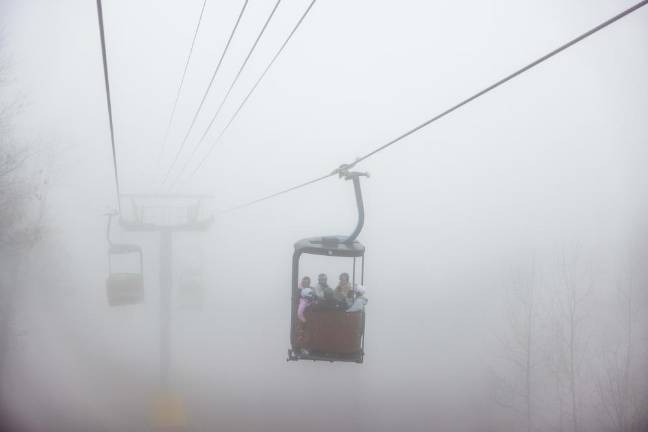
(505,244)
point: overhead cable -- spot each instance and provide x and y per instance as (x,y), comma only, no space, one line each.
(184,73)
(202,101)
(455,107)
(256,84)
(504,80)
(281,192)
(229,90)
(108,101)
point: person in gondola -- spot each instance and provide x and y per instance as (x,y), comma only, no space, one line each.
(322,290)
(307,299)
(325,294)
(359,302)
(305,283)
(344,291)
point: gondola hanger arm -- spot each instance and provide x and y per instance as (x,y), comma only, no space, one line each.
(344,171)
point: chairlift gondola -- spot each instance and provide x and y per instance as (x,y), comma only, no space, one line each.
(332,334)
(123,288)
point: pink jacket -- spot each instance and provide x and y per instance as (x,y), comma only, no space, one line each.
(303,304)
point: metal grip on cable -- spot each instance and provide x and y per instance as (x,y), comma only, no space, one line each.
(343,172)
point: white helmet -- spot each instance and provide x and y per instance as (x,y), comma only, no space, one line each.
(308,293)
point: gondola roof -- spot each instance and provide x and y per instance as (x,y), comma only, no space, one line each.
(330,246)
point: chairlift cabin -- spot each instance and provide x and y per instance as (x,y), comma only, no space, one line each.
(165,214)
(330,334)
(123,288)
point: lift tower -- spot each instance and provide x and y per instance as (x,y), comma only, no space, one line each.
(165,214)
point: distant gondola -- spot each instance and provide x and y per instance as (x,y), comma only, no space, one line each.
(123,288)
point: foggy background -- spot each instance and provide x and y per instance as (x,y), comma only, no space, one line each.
(506,243)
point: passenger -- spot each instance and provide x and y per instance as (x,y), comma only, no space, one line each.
(322,290)
(307,298)
(305,283)
(344,291)
(360,300)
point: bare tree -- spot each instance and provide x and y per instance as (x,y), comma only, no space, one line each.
(556,362)
(623,404)
(22,210)
(517,393)
(566,353)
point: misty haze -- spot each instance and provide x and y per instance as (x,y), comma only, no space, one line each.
(323,215)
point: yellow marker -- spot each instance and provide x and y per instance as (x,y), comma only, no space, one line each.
(169,413)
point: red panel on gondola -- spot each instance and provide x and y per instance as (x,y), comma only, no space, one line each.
(333,331)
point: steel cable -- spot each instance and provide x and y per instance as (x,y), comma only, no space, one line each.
(457,106)
(184,74)
(108,101)
(202,101)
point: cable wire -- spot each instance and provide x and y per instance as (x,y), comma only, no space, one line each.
(504,80)
(202,101)
(184,73)
(240,71)
(256,84)
(453,108)
(108,101)
(276,194)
